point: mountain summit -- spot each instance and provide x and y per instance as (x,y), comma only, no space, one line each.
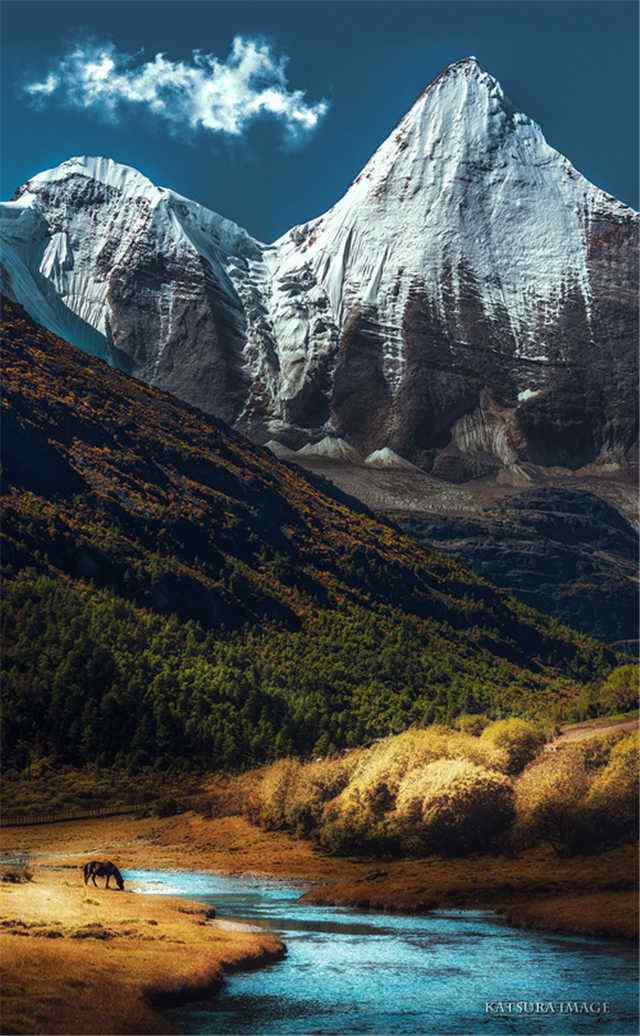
(470,303)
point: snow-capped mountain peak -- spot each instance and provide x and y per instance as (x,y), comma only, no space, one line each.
(121,177)
(445,303)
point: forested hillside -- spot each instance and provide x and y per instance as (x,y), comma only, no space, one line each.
(174,593)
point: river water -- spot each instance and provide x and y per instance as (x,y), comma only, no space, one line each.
(349,971)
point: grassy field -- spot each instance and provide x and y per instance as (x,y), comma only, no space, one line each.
(537,879)
(77,960)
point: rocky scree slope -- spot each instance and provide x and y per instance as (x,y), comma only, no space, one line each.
(169,584)
(470,303)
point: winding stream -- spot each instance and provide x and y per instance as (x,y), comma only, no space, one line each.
(348,971)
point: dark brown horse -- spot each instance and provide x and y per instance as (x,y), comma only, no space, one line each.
(102,869)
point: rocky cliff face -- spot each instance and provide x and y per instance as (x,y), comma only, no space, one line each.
(470,303)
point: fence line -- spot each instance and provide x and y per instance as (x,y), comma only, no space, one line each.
(72,814)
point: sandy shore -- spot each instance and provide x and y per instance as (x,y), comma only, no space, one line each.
(86,960)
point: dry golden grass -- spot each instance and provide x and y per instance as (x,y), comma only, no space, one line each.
(233,845)
(76,960)
(612,914)
(490,881)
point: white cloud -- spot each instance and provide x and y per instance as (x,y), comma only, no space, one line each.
(46,87)
(206,92)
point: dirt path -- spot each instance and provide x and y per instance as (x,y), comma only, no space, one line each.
(581,731)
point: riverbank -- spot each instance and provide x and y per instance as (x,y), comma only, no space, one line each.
(593,895)
(86,960)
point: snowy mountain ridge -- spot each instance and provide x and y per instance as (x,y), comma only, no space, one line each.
(468,303)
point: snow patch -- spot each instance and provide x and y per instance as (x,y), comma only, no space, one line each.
(465,208)
(331,448)
(388,458)
(123,178)
(465,194)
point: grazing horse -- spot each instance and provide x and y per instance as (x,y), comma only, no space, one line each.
(102,869)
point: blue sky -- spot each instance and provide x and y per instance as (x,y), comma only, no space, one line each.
(272,133)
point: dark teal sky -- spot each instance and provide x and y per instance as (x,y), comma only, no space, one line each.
(571,66)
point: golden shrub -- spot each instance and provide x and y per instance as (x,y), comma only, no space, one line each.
(581,798)
(268,805)
(290,795)
(483,753)
(315,784)
(518,738)
(596,750)
(472,723)
(376,777)
(370,794)
(353,831)
(453,805)
(353,803)
(549,799)
(612,798)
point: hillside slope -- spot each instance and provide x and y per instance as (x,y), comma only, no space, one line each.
(173,591)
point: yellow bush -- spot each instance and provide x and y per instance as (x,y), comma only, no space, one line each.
(373,785)
(596,750)
(613,796)
(472,723)
(518,738)
(291,795)
(387,762)
(314,785)
(268,805)
(453,805)
(549,800)
(351,831)
(352,804)
(582,797)
(483,753)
